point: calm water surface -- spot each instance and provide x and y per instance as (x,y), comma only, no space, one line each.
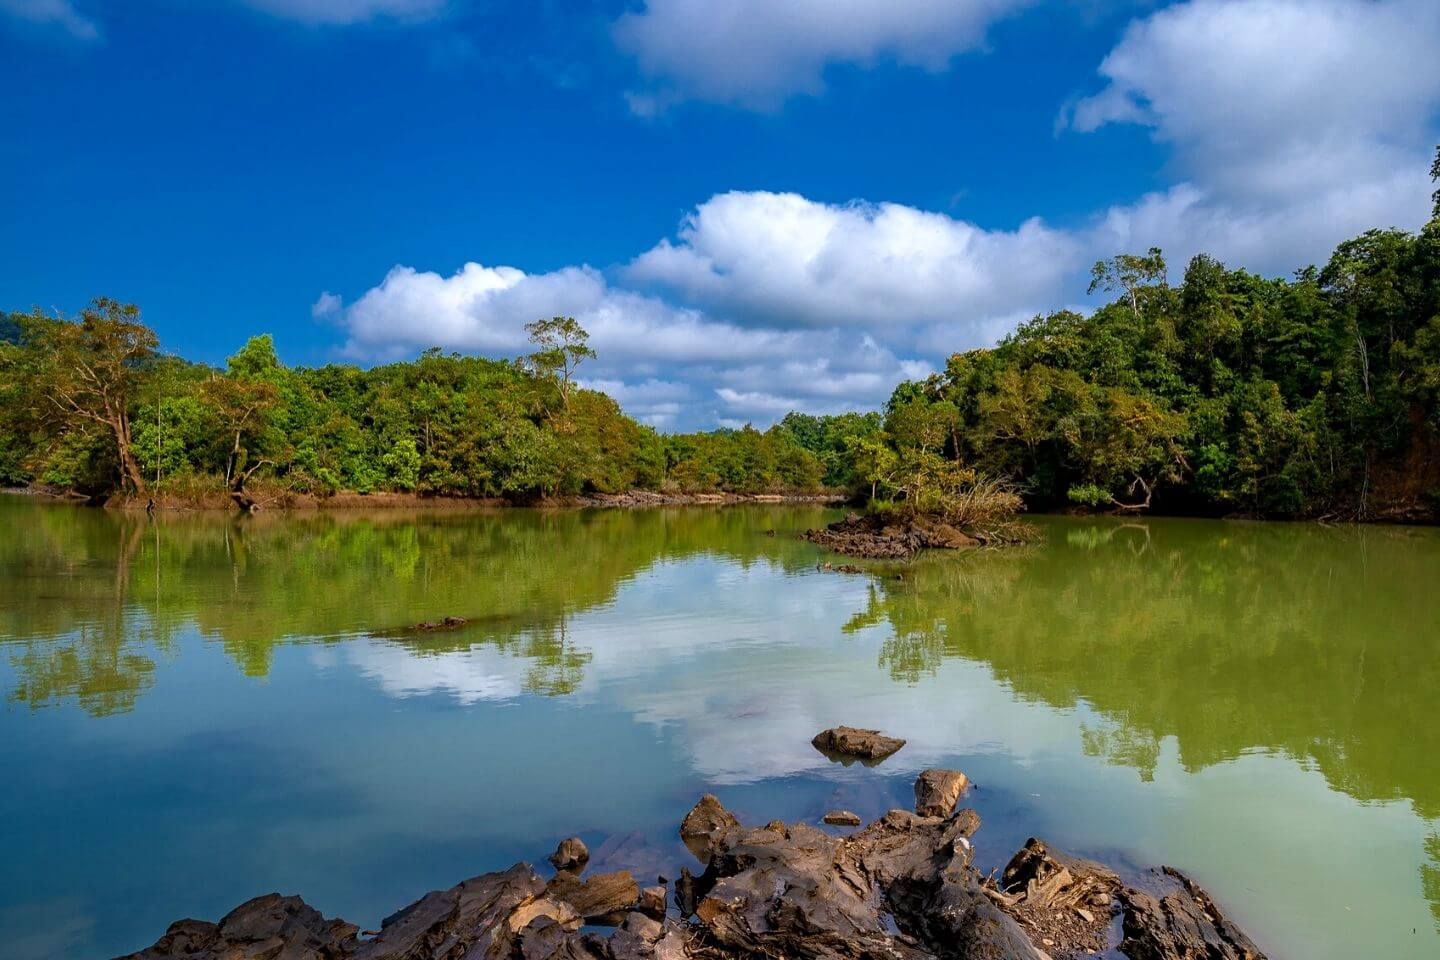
(201,709)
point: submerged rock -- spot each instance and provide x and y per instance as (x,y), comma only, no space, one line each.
(570,855)
(604,898)
(706,821)
(856,743)
(937,791)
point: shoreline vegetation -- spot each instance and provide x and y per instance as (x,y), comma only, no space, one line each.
(1230,394)
(905,887)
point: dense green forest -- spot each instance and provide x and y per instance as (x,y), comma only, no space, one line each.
(91,405)
(1229,393)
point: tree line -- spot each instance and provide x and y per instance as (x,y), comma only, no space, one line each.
(90,404)
(1230,393)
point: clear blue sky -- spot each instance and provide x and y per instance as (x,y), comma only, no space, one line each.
(753,205)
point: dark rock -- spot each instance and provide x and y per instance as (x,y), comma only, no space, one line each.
(1181,923)
(571,854)
(604,898)
(842,818)
(901,888)
(855,743)
(474,919)
(937,791)
(706,822)
(270,927)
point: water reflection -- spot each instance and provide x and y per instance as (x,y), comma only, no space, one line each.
(1146,682)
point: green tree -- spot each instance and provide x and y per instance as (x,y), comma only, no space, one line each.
(561,346)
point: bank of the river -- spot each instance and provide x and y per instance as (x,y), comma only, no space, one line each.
(904,888)
(382,500)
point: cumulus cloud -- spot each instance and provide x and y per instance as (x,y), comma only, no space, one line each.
(1294,123)
(349,11)
(758,52)
(782,258)
(669,365)
(60,13)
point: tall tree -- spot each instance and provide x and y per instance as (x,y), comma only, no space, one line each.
(88,369)
(1128,273)
(561,346)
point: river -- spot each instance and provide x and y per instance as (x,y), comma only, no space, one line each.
(199,709)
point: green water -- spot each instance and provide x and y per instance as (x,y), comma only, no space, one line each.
(200,709)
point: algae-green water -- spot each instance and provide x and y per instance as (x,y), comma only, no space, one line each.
(198,708)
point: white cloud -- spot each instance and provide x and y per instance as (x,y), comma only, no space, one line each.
(1294,123)
(61,13)
(350,11)
(758,52)
(781,258)
(326,305)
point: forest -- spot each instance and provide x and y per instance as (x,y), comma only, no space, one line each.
(1229,393)
(90,405)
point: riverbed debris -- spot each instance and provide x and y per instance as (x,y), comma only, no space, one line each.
(937,791)
(905,887)
(847,744)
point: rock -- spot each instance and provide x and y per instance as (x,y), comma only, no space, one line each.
(856,743)
(476,918)
(937,791)
(652,902)
(1064,898)
(705,824)
(603,899)
(842,818)
(571,855)
(269,926)
(902,888)
(1181,923)
(646,928)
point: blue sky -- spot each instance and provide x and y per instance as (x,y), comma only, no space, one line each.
(754,206)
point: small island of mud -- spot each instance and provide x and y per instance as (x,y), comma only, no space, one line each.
(881,537)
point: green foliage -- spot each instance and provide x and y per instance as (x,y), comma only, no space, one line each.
(442,425)
(1232,393)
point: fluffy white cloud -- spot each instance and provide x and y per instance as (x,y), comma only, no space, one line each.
(781,258)
(61,13)
(757,52)
(349,11)
(1295,123)
(669,365)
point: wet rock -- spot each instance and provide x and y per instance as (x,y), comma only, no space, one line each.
(937,791)
(602,899)
(475,918)
(570,855)
(652,902)
(1179,921)
(902,888)
(705,824)
(269,926)
(856,743)
(842,818)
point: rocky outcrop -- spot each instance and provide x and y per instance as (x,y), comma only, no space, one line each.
(854,743)
(903,888)
(1178,921)
(937,791)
